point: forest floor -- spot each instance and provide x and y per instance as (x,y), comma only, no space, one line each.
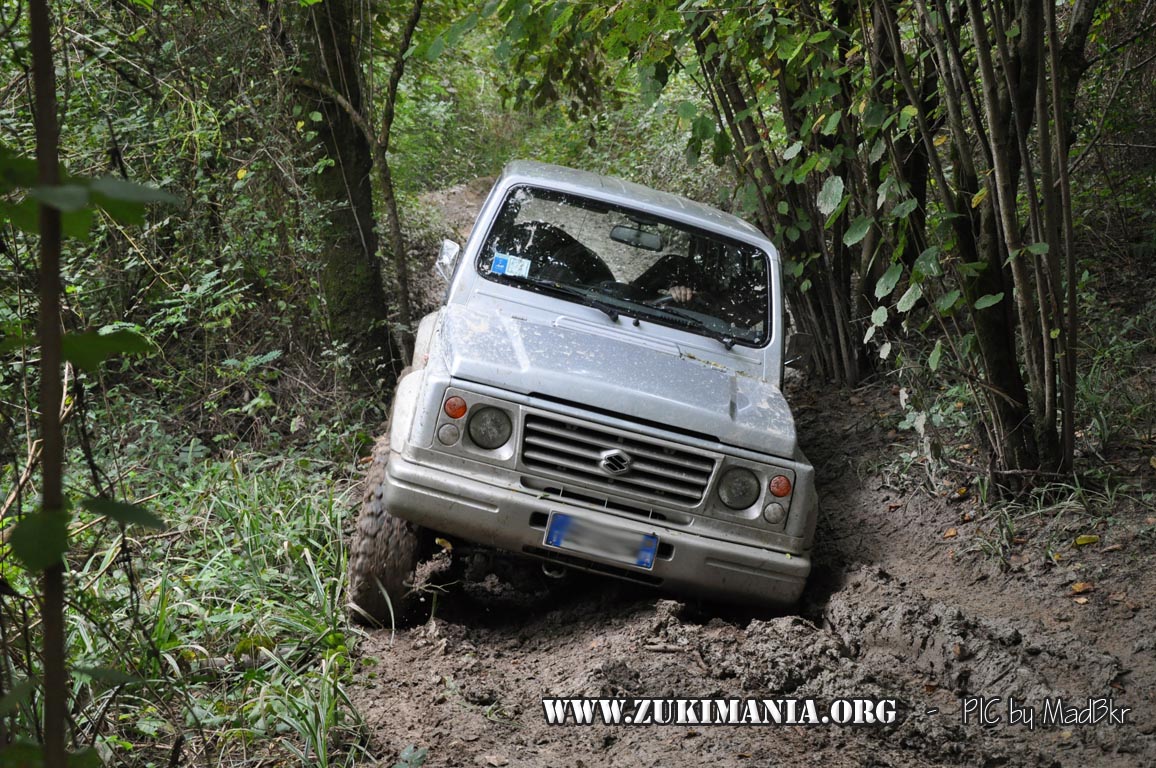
(916,596)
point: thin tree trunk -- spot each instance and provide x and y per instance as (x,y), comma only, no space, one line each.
(388,193)
(51,392)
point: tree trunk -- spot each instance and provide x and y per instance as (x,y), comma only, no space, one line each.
(51,391)
(350,272)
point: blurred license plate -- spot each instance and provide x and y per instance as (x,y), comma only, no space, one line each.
(575,534)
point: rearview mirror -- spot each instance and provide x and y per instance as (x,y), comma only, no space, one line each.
(447,259)
(650,241)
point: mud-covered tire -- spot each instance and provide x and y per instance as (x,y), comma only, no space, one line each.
(383,555)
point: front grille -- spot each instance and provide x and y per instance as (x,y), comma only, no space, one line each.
(613,461)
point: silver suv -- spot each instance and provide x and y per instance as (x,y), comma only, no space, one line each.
(601,391)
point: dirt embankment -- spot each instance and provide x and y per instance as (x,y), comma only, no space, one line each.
(903,604)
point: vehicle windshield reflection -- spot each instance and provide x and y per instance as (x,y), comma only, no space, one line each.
(578,249)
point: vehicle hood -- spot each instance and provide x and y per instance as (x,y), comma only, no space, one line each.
(609,370)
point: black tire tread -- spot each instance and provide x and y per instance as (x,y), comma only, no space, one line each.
(384,553)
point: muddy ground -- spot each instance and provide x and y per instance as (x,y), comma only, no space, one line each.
(915,596)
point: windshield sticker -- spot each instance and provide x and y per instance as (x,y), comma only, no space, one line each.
(513,266)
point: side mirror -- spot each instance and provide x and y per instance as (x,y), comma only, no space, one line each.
(447,259)
(799,346)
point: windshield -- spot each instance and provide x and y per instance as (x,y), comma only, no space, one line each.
(625,262)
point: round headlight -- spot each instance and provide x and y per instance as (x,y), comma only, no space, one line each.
(739,488)
(490,427)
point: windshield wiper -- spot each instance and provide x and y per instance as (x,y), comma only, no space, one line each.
(582,294)
(678,316)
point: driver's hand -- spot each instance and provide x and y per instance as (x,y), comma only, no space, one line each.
(681,293)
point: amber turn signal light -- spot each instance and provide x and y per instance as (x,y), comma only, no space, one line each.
(780,486)
(455,407)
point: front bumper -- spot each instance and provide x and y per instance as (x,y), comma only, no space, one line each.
(514,519)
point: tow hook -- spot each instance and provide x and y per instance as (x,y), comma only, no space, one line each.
(554,571)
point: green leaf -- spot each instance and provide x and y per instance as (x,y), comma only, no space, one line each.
(76,224)
(89,349)
(24,215)
(907,301)
(123,512)
(316,117)
(435,48)
(927,263)
(793,150)
(106,675)
(16,696)
(870,333)
(830,194)
(933,359)
(783,208)
(125,201)
(885,350)
(40,539)
(906,115)
(112,188)
(16,172)
(904,209)
(857,231)
(21,754)
(65,197)
(687,110)
(887,283)
(945,303)
(879,316)
(990,300)
(1039,249)
(832,123)
(86,757)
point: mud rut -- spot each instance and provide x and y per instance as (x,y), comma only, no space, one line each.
(894,610)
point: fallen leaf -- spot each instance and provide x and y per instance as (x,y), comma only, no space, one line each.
(1057,557)
(893,507)
(1082,586)
(242,173)
(950,533)
(1152,462)
(1118,597)
(1112,548)
(1150,521)
(966,517)
(1086,539)
(1082,600)
(444,544)
(1019,540)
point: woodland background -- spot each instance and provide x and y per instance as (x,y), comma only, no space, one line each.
(210,295)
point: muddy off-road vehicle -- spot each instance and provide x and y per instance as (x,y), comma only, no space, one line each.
(601,391)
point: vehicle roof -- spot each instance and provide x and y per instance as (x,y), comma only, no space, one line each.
(632,195)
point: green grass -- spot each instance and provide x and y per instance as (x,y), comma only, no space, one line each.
(232,621)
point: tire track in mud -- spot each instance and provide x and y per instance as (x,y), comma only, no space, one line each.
(890,614)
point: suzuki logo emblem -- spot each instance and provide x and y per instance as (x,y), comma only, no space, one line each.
(615,462)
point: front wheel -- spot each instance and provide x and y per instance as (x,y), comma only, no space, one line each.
(383,555)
